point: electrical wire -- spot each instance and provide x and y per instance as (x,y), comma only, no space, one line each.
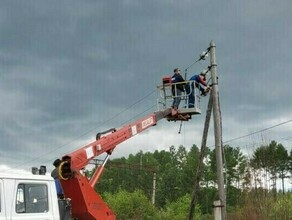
(106,121)
(126,109)
(256,132)
(87,132)
(82,135)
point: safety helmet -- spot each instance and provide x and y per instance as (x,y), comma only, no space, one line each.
(204,72)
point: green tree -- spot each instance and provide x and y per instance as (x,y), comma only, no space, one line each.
(209,177)
(273,159)
(131,206)
(178,210)
(114,177)
(190,168)
(259,162)
(236,165)
(282,163)
(235,162)
(260,158)
(166,178)
(171,181)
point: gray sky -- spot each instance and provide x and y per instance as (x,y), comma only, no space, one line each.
(70,69)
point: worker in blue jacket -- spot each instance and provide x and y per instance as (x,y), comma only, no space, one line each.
(55,175)
(199,81)
(178,88)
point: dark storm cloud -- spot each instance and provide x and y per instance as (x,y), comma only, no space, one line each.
(68,66)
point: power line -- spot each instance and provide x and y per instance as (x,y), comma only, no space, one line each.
(87,132)
(95,128)
(126,109)
(265,129)
(115,116)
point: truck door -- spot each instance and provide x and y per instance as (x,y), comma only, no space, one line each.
(2,205)
(32,202)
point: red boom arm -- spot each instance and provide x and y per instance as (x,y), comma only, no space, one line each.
(86,203)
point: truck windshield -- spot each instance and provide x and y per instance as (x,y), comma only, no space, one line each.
(32,198)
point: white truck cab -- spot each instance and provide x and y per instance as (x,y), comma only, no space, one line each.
(25,196)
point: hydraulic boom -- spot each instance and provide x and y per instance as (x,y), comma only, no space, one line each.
(86,203)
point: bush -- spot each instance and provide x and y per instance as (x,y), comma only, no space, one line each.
(282,208)
(131,206)
(180,210)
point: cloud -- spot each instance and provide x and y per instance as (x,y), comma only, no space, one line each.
(72,69)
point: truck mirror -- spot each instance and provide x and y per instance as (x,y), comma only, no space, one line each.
(42,170)
(34,170)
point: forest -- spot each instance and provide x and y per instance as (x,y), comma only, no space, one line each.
(159,185)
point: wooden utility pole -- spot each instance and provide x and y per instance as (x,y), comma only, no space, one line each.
(198,175)
(217,130)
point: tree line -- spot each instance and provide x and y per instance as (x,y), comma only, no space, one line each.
(169,175)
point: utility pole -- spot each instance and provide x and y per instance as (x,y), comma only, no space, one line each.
(154,189)
(217,130)
(198,176)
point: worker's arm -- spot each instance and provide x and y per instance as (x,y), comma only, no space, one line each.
(202,81)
